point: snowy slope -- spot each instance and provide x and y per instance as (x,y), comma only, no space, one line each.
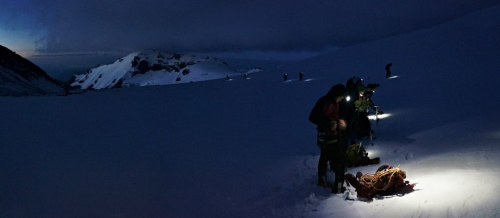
(19,76)
(153,67)
(448,72)
(244,148)
(443,123)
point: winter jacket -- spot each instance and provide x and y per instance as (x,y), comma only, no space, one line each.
(362,105)
(326,112)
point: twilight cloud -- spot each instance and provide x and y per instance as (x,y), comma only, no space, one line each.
(226,26)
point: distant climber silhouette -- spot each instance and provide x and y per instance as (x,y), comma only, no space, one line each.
(388,70)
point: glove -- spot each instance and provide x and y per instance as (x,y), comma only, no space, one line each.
(333,126)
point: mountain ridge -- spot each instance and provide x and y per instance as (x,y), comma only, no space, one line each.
(19,76)
(154,67)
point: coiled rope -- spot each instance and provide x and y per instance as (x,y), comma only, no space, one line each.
(371,179)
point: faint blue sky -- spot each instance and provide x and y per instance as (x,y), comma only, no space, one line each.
(273,29)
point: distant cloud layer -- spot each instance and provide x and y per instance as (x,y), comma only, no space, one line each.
(223,25)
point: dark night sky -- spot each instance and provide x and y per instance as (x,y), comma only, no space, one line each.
(204,26)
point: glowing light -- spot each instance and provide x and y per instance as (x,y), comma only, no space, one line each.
(348,98)
(380,116)
(372,152)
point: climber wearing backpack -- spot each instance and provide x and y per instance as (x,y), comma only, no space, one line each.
(362,102)
(348,109)
(388,70)
(361,123)
(370,90)
(325,115)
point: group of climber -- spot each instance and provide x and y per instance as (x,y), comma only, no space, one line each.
(341,117)
(285,76)
(301,76)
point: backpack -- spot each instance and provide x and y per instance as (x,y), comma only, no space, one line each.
(316,116)
(356,155)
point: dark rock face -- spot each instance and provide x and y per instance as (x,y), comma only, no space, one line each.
(143,67)
(19,76)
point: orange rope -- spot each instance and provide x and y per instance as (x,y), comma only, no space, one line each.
(371,179)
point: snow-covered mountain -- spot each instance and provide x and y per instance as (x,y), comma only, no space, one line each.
(154,67)
(19,76)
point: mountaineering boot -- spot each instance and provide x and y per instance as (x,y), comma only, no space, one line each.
(338,188)
(358,175)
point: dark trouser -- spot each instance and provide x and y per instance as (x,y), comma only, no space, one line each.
(347,137)
(364,125)
(335,154)
(350,136)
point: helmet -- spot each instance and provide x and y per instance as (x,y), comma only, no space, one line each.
(356,80)
(337,91)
